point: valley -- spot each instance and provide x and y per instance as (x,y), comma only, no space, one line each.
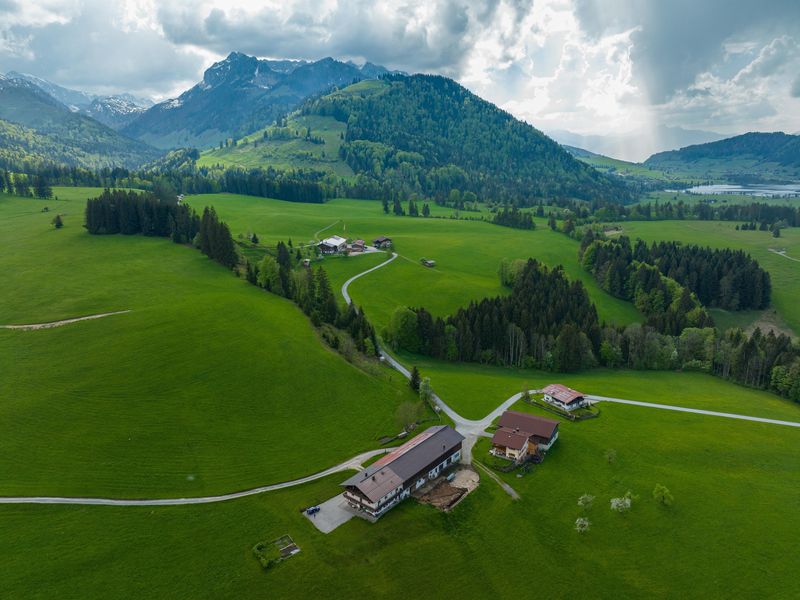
(279,321)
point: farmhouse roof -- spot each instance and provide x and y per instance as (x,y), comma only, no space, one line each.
(562,393)
(510,439)
(528,424)
(405,462)
(334,240)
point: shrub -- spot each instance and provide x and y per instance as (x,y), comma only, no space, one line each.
(582,524)
(611,455)
(622,504)
(585,501)
(662,495)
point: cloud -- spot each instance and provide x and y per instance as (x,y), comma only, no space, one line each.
(592,66)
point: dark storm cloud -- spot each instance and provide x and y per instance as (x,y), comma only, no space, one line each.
(678,39)
(88,52)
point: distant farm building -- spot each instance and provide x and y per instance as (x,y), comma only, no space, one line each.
(393,477)
(333,245)
(520,435)
(564,397)
(358,246)
(382,242)
(427,262)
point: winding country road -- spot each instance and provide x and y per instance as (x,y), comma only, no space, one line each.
(347,283)
(469,428)
(353,463)
(698,411)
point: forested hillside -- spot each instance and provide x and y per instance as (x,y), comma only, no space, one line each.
(427,134)
(36,128)
(749,156)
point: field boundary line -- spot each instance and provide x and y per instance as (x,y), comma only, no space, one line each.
(51,324)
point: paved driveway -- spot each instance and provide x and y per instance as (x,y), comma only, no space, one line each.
(332,513)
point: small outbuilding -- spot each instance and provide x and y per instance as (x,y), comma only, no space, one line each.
(427,262)
(382,242)
(563,397)
(358,246)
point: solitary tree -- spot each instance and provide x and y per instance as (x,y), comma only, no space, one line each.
(426,210)
(414,382)
(425,390)
(57,222)
(662,495)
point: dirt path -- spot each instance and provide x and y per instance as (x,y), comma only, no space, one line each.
(316,235)
(52,324)
(783,254)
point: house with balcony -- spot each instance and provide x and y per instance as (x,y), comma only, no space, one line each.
(392,478)
(521,435)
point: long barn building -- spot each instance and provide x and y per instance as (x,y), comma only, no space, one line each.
(393,477)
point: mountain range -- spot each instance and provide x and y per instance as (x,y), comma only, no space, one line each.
(239,95)
(116,111)
(36,128)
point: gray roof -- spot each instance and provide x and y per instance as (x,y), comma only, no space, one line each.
(404,462)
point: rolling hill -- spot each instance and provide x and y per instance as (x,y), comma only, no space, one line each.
(237,96)
(424,134)
(752,157)
(36,127)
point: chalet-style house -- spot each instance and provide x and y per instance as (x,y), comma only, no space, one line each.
(382,242)
(333,245)
(520,435)
(393,477)
(358,246)
(564,397)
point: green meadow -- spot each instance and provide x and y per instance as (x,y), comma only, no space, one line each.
(467,252)
(208,385)
(731,531)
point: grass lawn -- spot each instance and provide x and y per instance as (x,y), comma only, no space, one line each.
(473,390)
(209,385)
(732,527)
(467,253)
(785,273)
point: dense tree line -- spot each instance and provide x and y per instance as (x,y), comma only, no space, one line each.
(129,213)
(764,361)
(729,279)
(311,290)
(214,239)
(545,321)
(761,213)
(513,217)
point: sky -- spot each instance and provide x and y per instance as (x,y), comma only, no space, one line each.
(624,69)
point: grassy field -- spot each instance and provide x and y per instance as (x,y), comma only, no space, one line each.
(467,253)
(209,384)
(784,271)
(731,528)
(255,150)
